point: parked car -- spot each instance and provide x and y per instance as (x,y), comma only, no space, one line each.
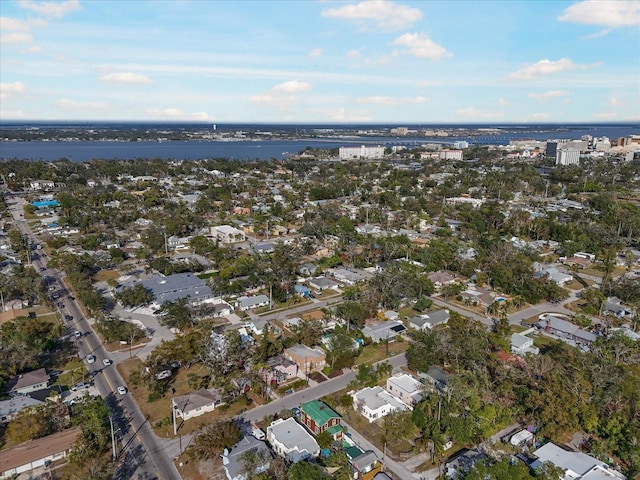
(122,390)
(80,386)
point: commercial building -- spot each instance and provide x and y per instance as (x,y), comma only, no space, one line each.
(361,153)
(176,287)
(568,156)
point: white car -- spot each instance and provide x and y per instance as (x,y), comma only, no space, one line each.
(91,358)
(122,390)
(107,362)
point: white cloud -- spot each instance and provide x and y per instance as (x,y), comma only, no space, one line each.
(615,102)
(7,23)
(599,34)
(13,114)
(34,49)
(391,101)
(544,67)
(354,54)
(607,13)
(315,53)
(15,37)
(544,96)
(50,9)
(341,114)
(605,115)
(126,77)
(537,117)
(292,86)
(73,105)
(473,113)
(176,114)
(420,45)
(10,89)
(383,14)
(503,103)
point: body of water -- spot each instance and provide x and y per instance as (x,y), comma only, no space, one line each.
(82,151)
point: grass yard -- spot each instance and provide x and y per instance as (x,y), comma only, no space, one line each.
(541,341)
(375,352)
(104,275)
(159,411)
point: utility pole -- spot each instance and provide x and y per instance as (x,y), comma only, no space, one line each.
(113,439)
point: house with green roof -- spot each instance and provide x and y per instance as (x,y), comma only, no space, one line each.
(318,417)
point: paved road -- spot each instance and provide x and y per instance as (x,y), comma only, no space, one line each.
(145,458)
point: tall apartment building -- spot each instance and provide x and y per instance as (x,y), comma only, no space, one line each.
(568,156)
(361,152)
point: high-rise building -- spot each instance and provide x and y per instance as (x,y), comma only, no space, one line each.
(568,156)
(361,152)
(552,149)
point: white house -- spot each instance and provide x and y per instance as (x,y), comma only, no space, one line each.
(228,234)
(374,403)
(196,403)
(521,345)
(37,453)
(406,388)
(429,320)
(291,441)
(42,184)
(575,465)
(247,303)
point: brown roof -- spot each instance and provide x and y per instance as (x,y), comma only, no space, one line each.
(197,399)
(30,378)
(37,449)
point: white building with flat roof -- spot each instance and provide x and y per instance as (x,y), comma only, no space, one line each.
(374,403)
(291,440)
(575,465)
(361,152)
(568,156)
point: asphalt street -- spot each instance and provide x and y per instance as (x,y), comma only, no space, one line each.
(143,456)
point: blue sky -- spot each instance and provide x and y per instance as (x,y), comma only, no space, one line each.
(321,61)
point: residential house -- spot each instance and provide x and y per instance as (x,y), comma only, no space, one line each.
(291,441)
(320,284)
(365,466)
(463,463)
(196,403)
(521,345)
(383,331)
(279,369)
(37,453)
(14,405)
(578,261)
(437,378)
(575,465)
(347,277)
(228,234)
(564,330)
(427,321)
(374,403)
(29,382)
(263,248)
(233,459)
(258,325)
(176,287)
(143,222)
(406,388)
(442,278)
(555,275)
(478,296)
(614,307)
(245,303)
(307,359)
(302,290)
(16,304)
(307,269)
(42,184)
(318,417)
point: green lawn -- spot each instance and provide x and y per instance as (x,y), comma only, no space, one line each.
(374,353)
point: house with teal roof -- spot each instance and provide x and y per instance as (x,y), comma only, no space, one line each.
(318,417)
